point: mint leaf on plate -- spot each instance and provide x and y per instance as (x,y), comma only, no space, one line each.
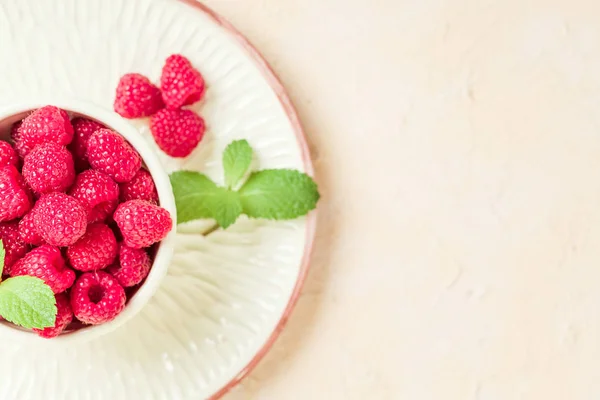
(196,196)
(237,158)
(278,194)
(271,194)
(27,301)
(194,192)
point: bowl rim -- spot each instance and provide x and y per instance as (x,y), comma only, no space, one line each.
(164,253)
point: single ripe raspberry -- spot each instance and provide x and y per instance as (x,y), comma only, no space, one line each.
(8,155)
(60,219)
(181,84)
(15,198)
(137,97)
(64,316)
(97,192)
(142,223)
(45,262)
(13,245)
(132,267)
(95,250)
(177,132)
(140,187)
(48,124)
(97,297)
(15,131)
(49,168)
(110,153)
(27,230)
(83,129)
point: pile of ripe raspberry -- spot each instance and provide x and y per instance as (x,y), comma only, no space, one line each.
(77,210)
(177,131)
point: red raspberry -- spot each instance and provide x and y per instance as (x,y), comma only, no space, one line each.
(140,187)
(27,230)
(95,250)
(49,168)
(133,266)
(46,262)
(13,245)
(15,198)
(181,84)
(97,193)
(15,131)
(83,128)
(8,155)
(97,297)
(59,219)
(137,97)
(177,132)
(64,316)
(110,153)
(48,124)
(142,223)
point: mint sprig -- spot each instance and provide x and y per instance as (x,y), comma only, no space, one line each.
(26,300)
(275,194)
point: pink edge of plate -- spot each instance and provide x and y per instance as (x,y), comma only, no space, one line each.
(290,111)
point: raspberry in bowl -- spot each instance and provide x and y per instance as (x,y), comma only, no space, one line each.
(86,206)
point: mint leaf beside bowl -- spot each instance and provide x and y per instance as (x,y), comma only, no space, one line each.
(274,194)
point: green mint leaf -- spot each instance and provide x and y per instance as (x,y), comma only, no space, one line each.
(192,191)
(278,194)
(227,208)
(196,197)
(27,301)
(236,161)
(2,256)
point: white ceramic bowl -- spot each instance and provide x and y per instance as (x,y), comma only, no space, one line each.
(164,253)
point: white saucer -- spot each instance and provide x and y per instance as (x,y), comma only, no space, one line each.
(226,296)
